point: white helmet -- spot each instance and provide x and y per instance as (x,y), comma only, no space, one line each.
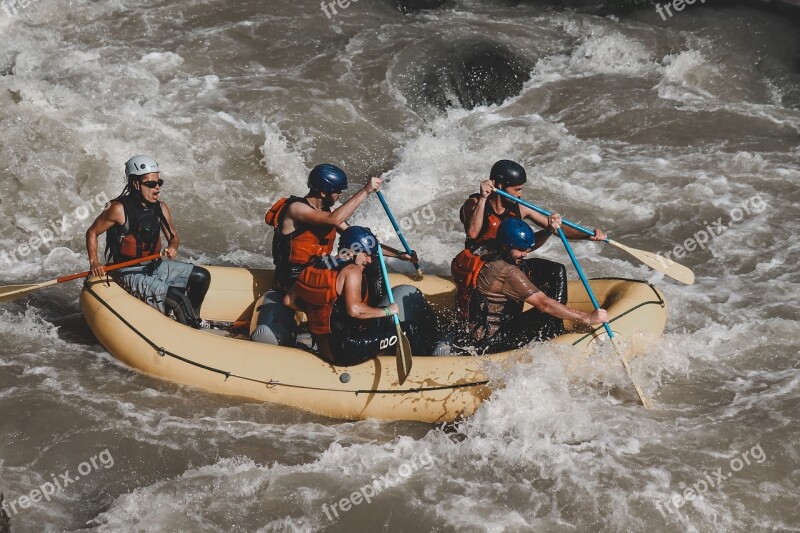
(139,165)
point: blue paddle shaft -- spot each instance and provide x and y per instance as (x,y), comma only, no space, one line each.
(544,212)
(583,278)
(386,280)
(394,222)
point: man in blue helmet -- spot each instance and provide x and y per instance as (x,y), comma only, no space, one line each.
(134,222)
(305,228)
(334,294)
(496,321)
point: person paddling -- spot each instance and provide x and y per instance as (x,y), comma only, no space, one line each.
(134,223)
(334,294)
(305,229)
(496,322)
(482,215)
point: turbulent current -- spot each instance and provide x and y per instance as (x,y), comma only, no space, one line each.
(675,135)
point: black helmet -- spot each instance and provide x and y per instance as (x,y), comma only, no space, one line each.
(507,173)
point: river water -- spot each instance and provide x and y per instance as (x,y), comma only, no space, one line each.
(656,130)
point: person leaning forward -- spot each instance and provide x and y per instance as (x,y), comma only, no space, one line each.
(133,223)
(334,294)
(496,321)
(482,215)
(304,229)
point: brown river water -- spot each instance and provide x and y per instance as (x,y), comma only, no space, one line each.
(656,130)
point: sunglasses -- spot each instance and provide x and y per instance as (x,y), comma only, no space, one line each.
(152,184)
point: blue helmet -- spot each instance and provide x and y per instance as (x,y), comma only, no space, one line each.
(327,178)
(515,233)
(358,239)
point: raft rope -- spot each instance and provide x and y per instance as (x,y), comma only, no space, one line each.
(271,383)
(659,302)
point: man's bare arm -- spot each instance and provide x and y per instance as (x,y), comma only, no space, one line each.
(115,214)
(175,241)
(552,307)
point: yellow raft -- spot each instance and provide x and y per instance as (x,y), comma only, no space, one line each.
(438,389)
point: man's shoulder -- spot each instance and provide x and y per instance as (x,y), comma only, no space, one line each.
(472,199)
(295,204)
(497,270)
(351,274)
(115,211)
(501,265)
(351,270)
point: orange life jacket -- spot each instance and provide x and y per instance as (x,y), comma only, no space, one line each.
(316,287)
(304,243)
(466,266)
(140,235)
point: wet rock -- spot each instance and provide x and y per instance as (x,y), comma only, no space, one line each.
(466,73)
(5,521)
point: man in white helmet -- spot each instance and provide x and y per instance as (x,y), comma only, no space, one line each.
(134,223)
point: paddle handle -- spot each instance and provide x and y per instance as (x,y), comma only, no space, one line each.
(396,226)
(545,212)
(109,268)
(388,286)
(583,278)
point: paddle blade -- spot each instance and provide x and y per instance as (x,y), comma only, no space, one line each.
(403,353)
(627,367)
(660,263)
(9,293)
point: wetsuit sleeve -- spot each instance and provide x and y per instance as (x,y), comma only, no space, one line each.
(518,287)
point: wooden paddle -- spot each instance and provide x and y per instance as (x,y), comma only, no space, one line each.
(9,293)
(610,333)
(397,229)
(402,347)
(656,262)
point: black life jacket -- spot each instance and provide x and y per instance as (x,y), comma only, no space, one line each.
(293,252)
(140,235)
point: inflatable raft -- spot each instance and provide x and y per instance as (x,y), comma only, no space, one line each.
(438,389)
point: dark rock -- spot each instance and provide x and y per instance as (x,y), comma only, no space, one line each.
(5,521)
(468,72)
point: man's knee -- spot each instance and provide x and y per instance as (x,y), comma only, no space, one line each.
(178,303)
(199,279)
(273,322)
(197,287)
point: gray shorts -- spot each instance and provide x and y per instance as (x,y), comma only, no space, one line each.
(151,284)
